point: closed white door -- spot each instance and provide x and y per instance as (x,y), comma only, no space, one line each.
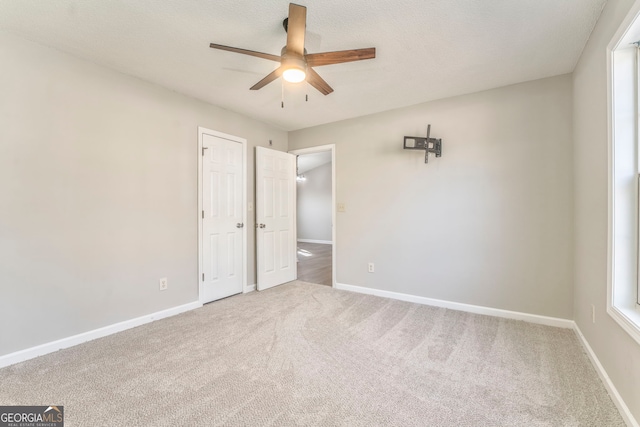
(275,217)
(222,218)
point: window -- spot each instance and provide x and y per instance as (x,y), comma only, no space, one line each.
(624,176)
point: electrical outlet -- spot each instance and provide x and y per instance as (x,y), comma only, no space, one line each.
(341,207)
(593,313)
(372,267)
(164,284)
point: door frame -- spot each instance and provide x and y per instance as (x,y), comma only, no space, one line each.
(202,131)
(319,149)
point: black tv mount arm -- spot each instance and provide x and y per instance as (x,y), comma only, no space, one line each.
(430,145)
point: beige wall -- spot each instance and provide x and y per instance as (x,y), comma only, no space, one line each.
(98,194)
(489,223)
(616,350)
(314,205)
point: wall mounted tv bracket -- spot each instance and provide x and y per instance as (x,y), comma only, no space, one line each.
(430,145)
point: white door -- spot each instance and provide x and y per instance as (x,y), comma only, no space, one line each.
(275,217)
(222,218)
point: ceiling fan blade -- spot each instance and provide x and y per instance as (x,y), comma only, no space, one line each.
(296,28)
(268,79)
(318,82)
(338,57)
(245,52)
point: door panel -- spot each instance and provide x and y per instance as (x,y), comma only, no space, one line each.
(275,217)
(222,251)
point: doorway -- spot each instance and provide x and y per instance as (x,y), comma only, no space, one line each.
(315,187)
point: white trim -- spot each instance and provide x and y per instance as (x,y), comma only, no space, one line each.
(334,246)
(243,142)
(249,288)
(626,414)
(40,350)
(627,319)
(477,309)
(322,242)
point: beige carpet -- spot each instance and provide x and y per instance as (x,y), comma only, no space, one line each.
(303,354)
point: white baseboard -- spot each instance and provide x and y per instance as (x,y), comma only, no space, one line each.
(249,288)
(532,318)
(626,414)
(324,242)
(40,350)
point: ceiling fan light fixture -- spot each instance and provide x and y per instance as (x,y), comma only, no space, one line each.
(294,74)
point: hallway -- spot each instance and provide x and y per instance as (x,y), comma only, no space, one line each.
(314,263)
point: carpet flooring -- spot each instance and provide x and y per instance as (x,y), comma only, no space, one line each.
(303,354)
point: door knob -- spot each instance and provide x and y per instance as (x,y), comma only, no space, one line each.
(262,226)
(240,225)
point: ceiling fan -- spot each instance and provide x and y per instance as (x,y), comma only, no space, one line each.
(295,63)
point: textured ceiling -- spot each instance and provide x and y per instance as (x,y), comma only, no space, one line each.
(425,49)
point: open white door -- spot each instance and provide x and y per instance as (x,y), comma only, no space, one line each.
(275,217)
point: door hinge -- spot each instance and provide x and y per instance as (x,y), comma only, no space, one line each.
(203,214)
(203,277)
(203,148)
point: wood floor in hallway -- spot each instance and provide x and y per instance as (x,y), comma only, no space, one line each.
(314,263)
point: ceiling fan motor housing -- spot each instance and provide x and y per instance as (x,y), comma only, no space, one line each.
(291,60)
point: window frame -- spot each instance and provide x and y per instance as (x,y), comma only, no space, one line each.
(623,85)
